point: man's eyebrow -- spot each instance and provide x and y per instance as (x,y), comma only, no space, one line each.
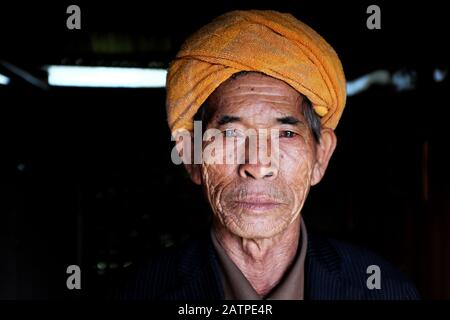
(227,119)
(289,120)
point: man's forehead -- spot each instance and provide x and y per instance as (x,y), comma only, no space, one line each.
(256,82)
(255,92)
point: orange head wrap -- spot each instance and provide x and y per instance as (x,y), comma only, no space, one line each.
(270,42)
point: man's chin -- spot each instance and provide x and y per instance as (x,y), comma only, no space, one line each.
(257,229)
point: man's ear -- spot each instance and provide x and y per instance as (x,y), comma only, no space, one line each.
(194,171)
(324,151)
(185,148)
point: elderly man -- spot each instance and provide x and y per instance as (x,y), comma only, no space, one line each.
(251,71)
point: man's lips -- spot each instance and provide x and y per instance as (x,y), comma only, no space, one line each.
(258,203)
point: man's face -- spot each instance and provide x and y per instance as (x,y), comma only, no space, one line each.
(254,200)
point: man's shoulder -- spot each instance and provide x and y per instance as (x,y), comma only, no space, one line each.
(358,272)
(178,272)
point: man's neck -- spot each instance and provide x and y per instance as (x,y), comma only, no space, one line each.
(262,261)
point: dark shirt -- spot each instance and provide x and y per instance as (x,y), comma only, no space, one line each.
(334,270)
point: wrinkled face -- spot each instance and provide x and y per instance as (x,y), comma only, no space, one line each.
(254,200)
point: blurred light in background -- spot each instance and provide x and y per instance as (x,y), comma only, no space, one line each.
(363,83)
(3,80)
(439,75)
(404,80)
(78,76)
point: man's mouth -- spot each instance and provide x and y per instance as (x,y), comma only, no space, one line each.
(258,203)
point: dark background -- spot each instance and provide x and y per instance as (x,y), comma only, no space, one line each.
(86,176)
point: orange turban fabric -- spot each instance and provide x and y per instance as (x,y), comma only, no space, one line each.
(270,42)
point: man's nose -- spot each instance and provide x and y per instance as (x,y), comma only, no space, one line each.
(258,171)
(261,158)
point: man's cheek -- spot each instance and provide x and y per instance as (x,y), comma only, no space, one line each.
(215,173)
(297,176)
(296,165)
(215,179)
(302,179)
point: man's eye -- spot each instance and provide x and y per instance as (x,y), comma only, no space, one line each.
(229,133)
(287,134)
